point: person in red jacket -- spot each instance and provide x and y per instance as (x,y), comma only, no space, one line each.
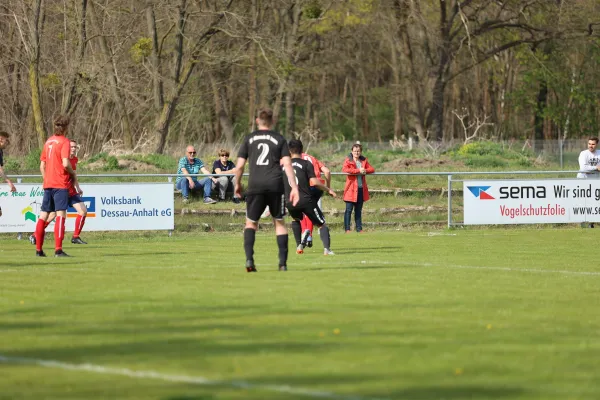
(356,191)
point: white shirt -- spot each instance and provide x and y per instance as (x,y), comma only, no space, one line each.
(588,162)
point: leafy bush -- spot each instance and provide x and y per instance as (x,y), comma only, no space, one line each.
(477,161)
(112,163)
(158,160)
(32,160)
(12,165)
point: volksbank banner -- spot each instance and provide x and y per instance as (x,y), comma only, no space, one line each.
(111,207)
(531,201)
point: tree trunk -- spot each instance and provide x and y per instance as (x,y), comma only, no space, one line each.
(111,75)
(157,84)
(290,108)
(69,101)
(36,102)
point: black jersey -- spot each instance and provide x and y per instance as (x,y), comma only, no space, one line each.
(304,170)
(263,150)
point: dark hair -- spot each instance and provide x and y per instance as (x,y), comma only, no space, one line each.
(4,134)
(60,124)
(357,145)
(595,139)
(295,146)
(265,115)
(223,152)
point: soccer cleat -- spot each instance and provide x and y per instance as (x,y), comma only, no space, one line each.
(347,230)
(236,200)
(40,253)
(305,236)
(300,249)
(32,239)
(309,241)
(77,240)
(208,200)
(283,267)
(250,266)
(185,200)
(328,252)
(60,253)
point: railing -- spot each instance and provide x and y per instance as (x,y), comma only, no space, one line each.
(448,174)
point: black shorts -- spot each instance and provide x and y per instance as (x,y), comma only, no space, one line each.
(55,200)
(311,210)
(256,204)
(74,200)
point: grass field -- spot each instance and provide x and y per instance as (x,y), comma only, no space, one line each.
(463,314)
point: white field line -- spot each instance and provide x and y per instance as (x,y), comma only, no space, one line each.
(195,380)
(429,265)
(330,263)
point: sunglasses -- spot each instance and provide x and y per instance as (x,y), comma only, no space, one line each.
(191,152)
(224,155)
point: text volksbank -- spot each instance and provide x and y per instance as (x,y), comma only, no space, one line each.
(114,200)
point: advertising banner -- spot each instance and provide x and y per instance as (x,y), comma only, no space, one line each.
(111,207)
(531,201)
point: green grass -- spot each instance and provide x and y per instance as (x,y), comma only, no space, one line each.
(477,314)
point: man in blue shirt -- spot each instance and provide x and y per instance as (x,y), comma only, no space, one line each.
(186,183)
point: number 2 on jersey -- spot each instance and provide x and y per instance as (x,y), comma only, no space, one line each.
(264,153)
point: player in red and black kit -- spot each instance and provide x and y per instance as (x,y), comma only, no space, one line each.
(264,150)
(306,223)
(75,201)
(57,174)
(307,205)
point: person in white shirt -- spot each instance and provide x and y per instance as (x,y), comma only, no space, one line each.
(589,160)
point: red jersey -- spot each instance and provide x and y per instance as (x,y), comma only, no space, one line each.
(317,165)
(55,149)
(72,191)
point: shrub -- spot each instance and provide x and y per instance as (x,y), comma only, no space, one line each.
(32,160)
(478,161)
(12,165)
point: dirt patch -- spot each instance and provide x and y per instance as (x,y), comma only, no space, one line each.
(99,164)
(133,165)
(404,164)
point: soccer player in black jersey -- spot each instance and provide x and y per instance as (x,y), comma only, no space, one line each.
(307,205)
(266,152)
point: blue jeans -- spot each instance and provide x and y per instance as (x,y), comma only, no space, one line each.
(184,186)
(357,212)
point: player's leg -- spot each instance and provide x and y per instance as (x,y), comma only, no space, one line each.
(61,203)
(315,214)
(79,206)
(255,205)
(358,211)
(40,227)
(348,216)
(276,204)
(297,216)
(49,218)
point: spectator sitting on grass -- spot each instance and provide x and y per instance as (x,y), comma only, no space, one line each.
(190,165)
(224,166)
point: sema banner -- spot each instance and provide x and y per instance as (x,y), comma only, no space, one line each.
(531,201)
(111,207)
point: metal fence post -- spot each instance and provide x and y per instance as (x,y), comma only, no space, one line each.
(449,201)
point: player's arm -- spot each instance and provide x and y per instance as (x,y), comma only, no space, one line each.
(43,169)
(8,181)
(67,165)
(286,161)
(237,181)
(327,174)
(316,183)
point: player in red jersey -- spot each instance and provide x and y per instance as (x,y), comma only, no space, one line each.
(306,224)
(57,174)
(75,201)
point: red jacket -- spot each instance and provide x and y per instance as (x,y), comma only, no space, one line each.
(351,188)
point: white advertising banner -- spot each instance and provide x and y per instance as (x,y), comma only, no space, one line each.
(111,207)
(531,201)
